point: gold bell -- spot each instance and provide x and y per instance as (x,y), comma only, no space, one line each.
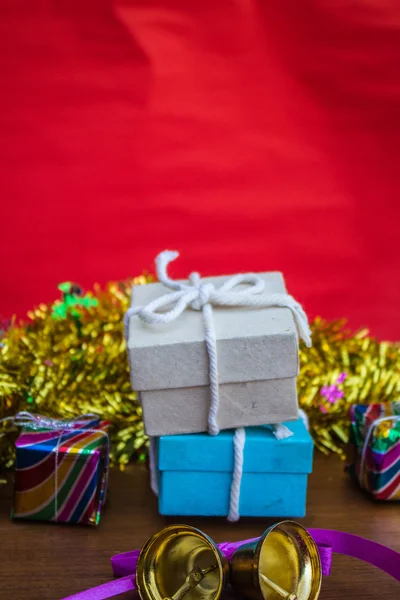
(181,562)
(284,564)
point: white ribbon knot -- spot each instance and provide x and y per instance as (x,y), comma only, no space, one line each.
(203,296)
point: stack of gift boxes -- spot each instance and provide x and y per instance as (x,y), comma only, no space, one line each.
(257,351)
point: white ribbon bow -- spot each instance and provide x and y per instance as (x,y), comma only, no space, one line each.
(202,296)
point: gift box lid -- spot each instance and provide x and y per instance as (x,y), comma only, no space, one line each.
(253,344)
(263,453)
(80,439)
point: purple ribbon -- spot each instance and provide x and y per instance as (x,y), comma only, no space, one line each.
(125,564)
(327,540)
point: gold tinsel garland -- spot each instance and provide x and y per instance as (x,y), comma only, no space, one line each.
(70,358)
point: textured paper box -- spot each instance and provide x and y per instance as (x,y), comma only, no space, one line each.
(253,344)
(195,473)
(185,410)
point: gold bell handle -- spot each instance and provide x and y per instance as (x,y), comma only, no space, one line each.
(277,588)
(192,580)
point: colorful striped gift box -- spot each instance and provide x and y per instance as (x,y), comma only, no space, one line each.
(375,438)
(61,475)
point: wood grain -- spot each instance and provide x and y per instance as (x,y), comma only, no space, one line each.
(40,561)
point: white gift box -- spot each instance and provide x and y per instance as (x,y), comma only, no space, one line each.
(257,351)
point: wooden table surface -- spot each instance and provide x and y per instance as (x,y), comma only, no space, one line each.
(40,561)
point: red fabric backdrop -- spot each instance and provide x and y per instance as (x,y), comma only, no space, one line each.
(250,135)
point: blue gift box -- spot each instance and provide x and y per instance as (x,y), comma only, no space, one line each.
(195,473)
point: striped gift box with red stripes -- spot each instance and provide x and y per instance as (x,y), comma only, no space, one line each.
(379,472)
(61,475)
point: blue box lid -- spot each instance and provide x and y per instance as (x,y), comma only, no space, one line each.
(263,453)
